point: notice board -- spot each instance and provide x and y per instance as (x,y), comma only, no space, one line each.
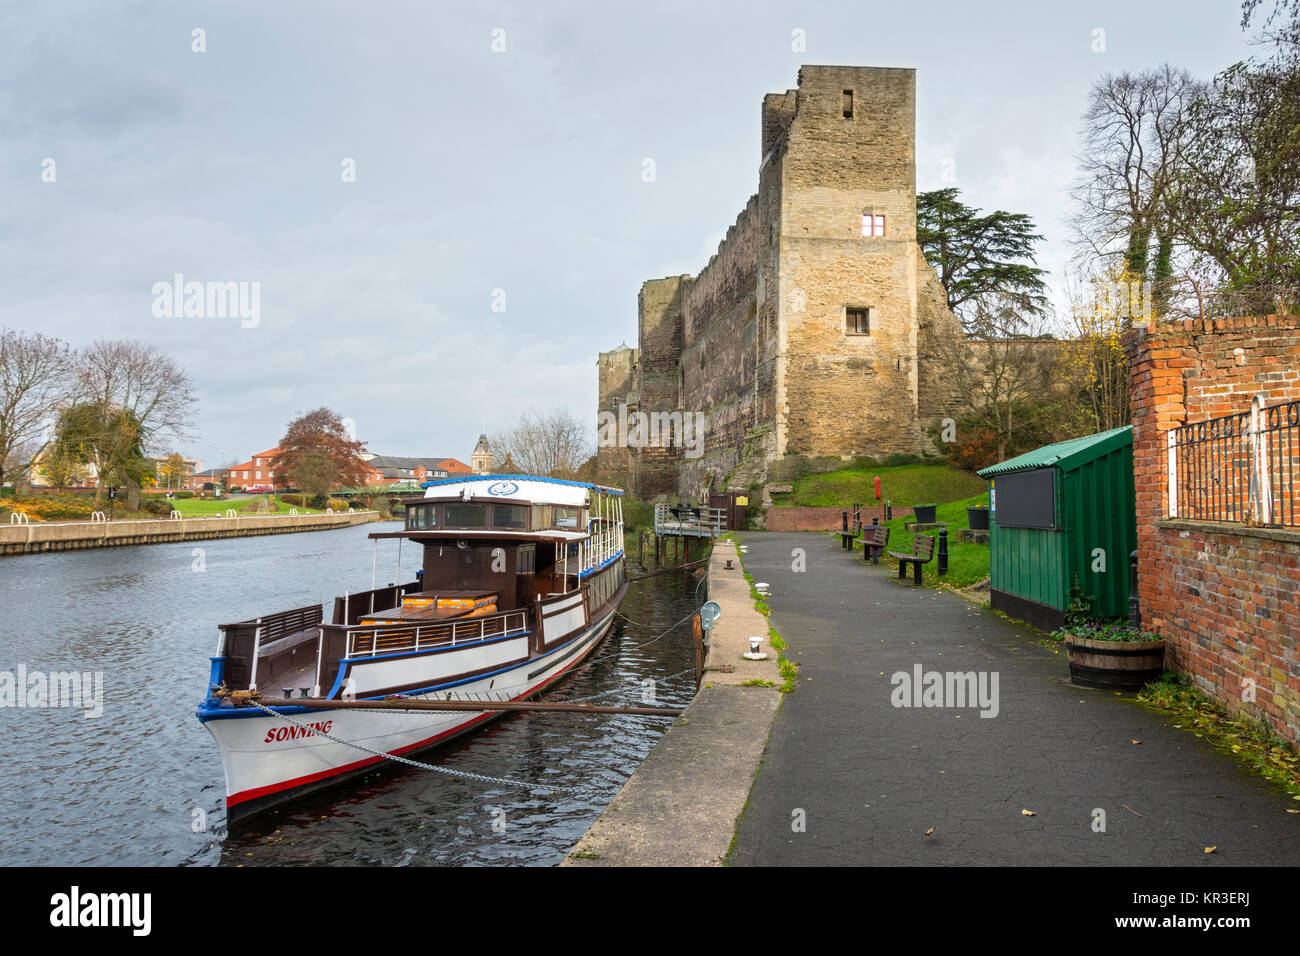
(1027,499)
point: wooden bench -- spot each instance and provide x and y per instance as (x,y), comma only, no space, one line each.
(922,552)
(846,537)
(873,541)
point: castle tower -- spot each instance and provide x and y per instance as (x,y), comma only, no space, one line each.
(807,332)
(617,371)
(482,459)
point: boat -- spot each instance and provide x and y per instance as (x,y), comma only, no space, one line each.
(519,581)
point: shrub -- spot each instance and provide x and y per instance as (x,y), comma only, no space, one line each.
(159,507)
(789,469)
(295,500)
(895,461)
(637,514)
(825,464)
(55,508)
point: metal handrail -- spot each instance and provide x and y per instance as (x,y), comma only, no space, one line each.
(371,639)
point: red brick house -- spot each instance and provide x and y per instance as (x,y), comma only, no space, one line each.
(257,472)
(383,470)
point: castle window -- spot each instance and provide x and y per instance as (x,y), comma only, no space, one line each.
(873,225)
(846,104)
(857,321)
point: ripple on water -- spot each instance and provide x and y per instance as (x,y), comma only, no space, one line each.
(129,787)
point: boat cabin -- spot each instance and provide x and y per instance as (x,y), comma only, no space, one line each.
(501,542)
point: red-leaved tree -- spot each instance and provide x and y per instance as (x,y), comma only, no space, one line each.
(318,445)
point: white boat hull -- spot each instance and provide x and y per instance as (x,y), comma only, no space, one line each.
(270,760)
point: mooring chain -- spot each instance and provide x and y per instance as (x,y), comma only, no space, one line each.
(425,766)
(494,698)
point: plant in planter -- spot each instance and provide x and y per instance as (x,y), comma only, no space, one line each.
(1108,654)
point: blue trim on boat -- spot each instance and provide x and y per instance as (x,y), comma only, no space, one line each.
(206,712)
(600,567)
(550,481)
(387,657)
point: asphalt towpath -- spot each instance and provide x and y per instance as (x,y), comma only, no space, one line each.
(850,778)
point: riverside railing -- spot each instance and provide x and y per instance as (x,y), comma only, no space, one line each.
(398,638)
(690,522)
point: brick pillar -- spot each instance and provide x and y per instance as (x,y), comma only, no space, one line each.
(1158,356)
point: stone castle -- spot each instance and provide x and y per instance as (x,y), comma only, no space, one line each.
(809,331)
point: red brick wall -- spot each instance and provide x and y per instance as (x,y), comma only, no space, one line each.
(821,519)
(1223,595)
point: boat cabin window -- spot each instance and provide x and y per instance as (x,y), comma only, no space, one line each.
(564,517)
(510,517)
(465,516)
(541,516)
(421,516)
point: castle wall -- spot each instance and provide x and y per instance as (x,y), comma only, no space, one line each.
(718,357)
(617,372)
(938,393)
(757,342)
(659,381)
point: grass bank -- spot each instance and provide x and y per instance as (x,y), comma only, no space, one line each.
(967,563)
(903,485)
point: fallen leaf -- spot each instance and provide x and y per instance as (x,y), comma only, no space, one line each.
(1211,849)
(1289,810)
(929,831)
(1029,813)
(1135,741)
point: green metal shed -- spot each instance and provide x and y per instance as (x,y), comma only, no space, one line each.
(1060,513)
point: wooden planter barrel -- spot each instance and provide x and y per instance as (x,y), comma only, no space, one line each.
(1114,665)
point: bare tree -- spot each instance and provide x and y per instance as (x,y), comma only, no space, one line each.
(34,381)
(1136,134)
(144,399)
(552,446)
(1005,365)
(1238,202)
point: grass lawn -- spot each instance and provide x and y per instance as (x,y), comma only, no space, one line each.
(967,563)
(196,507)
(904,486)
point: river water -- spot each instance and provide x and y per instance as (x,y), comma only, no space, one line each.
(142,783)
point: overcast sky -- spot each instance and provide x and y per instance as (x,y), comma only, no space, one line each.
(475,171)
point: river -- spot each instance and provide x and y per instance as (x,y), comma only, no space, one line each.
(142,785)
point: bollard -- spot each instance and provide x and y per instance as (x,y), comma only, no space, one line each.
(889,511)
(875,519)
(1134,611)
(943,552)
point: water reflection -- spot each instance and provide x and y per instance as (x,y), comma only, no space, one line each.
(124,788)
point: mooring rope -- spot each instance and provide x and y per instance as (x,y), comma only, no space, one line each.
(464,774)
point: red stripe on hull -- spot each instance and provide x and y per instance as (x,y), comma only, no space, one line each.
(257,793)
